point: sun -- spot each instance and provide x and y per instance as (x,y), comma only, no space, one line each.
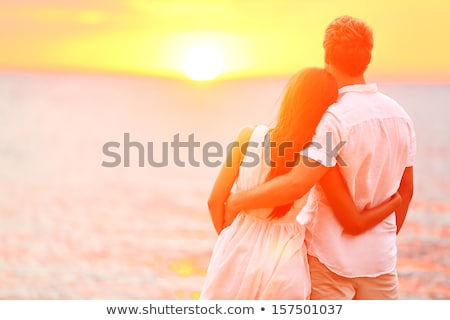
(203,63)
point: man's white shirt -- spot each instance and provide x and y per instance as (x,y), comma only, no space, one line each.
(372,140)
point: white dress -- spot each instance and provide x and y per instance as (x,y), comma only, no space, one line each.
(257,258)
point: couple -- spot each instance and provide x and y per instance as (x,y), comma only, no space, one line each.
(345,147)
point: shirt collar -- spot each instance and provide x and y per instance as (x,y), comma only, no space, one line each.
(359,88)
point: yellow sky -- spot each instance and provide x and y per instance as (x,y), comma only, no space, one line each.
(255,37)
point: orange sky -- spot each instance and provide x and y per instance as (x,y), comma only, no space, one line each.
(256,38)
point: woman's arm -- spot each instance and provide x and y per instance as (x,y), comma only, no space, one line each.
(406,191)
(225,180)
(344,209)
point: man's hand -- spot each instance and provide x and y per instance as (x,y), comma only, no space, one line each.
(231,210)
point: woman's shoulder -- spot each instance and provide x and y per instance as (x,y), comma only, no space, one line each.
(249,132)
(256,130)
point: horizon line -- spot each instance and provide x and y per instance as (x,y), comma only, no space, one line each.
(387,79)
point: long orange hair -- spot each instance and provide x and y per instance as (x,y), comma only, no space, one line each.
(308,95)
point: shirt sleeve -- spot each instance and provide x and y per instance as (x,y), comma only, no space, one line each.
(326,143)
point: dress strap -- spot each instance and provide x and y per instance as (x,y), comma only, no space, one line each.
(255,143)
(259,133)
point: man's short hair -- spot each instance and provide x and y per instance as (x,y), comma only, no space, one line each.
(348,44)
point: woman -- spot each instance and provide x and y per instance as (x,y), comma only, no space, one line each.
(262,254)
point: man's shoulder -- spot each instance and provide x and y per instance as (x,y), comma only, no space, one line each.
(395,106)
(332,114)
(337,113)
(332,121)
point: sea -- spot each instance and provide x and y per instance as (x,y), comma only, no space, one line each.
(104,181)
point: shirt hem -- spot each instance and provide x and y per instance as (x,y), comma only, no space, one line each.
(343,274)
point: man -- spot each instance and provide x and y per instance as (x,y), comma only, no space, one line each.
(371,139)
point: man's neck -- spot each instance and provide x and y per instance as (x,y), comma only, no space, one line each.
(344,79)
(348,81)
